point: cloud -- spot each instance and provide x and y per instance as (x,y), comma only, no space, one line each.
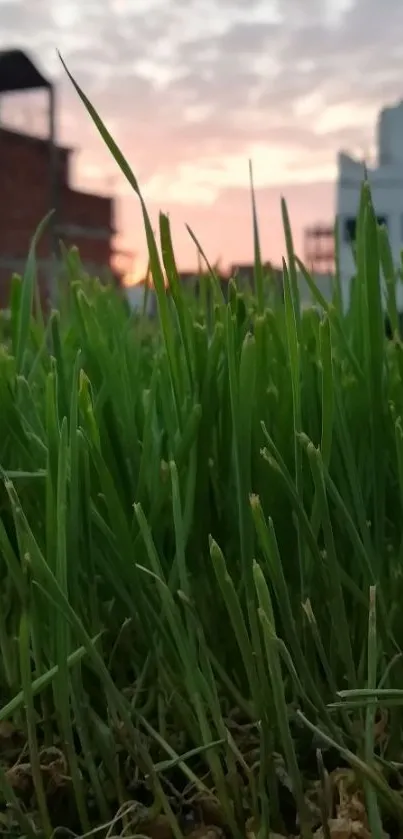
(191,89)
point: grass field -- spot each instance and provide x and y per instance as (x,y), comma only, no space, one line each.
(201,557)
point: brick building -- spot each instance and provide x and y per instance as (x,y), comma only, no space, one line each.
(83,219)
(34,178)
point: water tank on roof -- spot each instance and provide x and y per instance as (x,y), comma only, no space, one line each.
(390,135)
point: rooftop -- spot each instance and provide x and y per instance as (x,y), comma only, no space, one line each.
(34,139)
(18,72)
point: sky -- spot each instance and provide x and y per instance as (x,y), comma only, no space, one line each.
(193,89)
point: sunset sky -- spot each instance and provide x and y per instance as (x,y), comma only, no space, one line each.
(191,89)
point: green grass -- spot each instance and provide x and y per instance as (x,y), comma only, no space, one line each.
(201,553)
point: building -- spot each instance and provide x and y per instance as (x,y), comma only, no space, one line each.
(83,220)
(35,178)
(386,181)
(243,274)
(319,251)
(142,298)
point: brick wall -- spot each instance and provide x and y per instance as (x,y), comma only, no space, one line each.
(83,220)
(87,222)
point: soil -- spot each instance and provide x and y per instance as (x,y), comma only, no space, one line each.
(336,803)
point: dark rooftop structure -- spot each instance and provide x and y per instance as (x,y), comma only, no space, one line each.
(18,72)
(38,167)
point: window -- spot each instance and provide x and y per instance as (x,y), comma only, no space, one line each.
(350,228)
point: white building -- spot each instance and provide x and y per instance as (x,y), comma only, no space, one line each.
(386,180)
(136,297)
